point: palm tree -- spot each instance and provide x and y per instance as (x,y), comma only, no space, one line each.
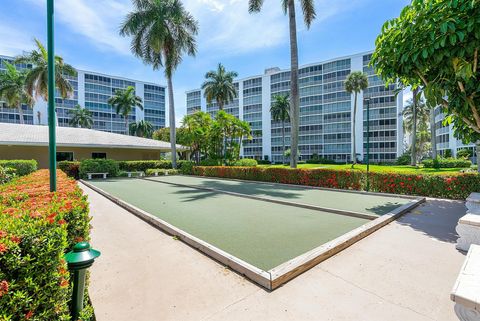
(13,90)
(124,101)
(219,87)
(309,14)
(81,117)
(356,82)
(280,112)
(163,31)
(37,78)
(142,128)
(415,112)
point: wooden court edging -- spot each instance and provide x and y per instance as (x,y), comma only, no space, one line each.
(281,274)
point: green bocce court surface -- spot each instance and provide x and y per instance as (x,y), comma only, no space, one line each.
(263,234)
(356,202)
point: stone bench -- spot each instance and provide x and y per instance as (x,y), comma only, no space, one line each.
(473,203)
(468,230)
(466,291)
(104,175)
(138,173)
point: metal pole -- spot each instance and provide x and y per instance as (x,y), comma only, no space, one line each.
(368,144)
(52,148)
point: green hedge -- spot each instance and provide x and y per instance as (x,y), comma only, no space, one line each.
(458,186)
(98,166)
(447,163)
(142,166)
(34,279)
(6,174)
(246,162)
(22,167)
(161,172)
(72,169)
(321,161)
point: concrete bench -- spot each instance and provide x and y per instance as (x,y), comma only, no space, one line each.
(473,203)
(466,291)
(138,173)
(468,230)
(104,175)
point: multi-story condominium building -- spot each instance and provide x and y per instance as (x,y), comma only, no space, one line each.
(446,139)
(325,112)
(92,91)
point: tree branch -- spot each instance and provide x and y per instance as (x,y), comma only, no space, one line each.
(422,77)
(475,60)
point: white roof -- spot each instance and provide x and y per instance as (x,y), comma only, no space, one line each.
(35,135)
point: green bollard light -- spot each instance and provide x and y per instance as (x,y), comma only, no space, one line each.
(79,260)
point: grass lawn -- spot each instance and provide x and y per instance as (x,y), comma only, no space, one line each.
(379,168)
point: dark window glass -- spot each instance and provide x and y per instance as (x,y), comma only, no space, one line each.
(99,155)
(64,156)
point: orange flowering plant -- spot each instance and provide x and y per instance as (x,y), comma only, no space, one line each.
(37,227)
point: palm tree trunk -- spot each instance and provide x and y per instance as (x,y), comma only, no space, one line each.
(414,129)
(171,109)
(283,142)
(126,125)
(354,134)
(433,133)
(295,99)
(20,114)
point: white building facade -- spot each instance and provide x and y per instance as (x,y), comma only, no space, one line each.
(325,112)
(92,91)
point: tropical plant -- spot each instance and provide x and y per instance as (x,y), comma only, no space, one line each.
(13,90)
(435,43)
(37,77)
(309,14)
(197,127)
(464,153)
(416,122)
(81,117)
(356,82)
(141,128)
(280,112)
(162,32)
(124,101)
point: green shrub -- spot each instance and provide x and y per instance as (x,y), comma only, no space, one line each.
(6,174)
(464,153)
(210,162)
(70,168)
(34,279)
(161,172)
(246,162)
(98,166)
(22,167)
(320,160)
(448,153)
(186,167)
(264,162)
(405,159)
(143,165)
(447,163)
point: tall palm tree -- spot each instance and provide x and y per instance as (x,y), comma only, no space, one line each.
(219,87)
(356,82)
(280,112)
(124,101)
(13,90)
(37,78)
(415,112)
(141,128)
(309,14)
(162,32)
(81,117)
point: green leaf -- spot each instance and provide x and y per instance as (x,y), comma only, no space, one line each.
(425,53)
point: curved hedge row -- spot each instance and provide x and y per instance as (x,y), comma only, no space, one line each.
(458,186)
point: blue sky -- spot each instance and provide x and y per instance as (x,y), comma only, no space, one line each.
(87,36)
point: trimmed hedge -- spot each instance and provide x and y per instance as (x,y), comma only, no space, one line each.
(98,166)
(246,162)
(447,163)
(161,172)
(37,227)
(72,169)
(142,166)
(458,186)
(22,167)
(6,174)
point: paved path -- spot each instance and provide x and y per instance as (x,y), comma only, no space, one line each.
(404,271)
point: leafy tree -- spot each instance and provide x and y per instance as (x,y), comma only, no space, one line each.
(37,78)
(12,89)
(163,134)
(280,112)
(141,128)
(416,114)
(197,128)
(309,14)
(124,101)
(162,32)
(464,153)
(435,43)
(81,117)
(356,82)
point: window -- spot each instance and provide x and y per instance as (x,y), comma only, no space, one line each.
(64,156)
(99,155)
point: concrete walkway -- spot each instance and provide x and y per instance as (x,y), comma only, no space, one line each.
(405,271)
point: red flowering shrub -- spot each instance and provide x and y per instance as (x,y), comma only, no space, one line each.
(457,186)
(37,227)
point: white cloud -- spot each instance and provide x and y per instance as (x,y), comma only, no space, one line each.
(13,40)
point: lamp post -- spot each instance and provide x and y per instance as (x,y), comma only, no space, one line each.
(52,140)
(367,100)
(79,260)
